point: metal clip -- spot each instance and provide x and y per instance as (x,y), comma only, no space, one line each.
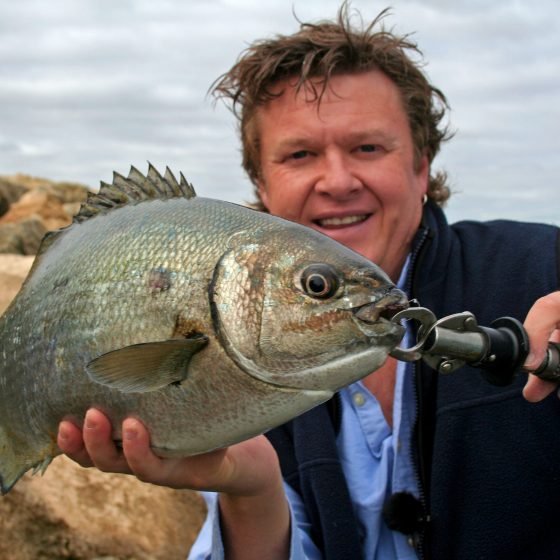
(426,319)
(445,344)
(453,341)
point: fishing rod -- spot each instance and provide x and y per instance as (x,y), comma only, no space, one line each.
(451,342)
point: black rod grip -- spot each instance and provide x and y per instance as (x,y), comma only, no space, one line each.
(508,348)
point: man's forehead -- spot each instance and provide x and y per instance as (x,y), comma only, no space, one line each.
(317,89)
(359,92)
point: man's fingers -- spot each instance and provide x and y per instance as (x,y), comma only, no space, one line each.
(136,446)
(541,323)
(536,389)
(98,441)
(200,472)
(71,443)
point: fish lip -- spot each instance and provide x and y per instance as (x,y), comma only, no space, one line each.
(386,307)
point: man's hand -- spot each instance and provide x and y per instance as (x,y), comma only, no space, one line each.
(542,325)
(245,468)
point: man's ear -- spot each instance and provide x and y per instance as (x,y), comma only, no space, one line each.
(423,175)
(262,193)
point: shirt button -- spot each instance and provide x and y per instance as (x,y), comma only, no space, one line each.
(359,399)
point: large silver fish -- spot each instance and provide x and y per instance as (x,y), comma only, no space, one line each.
(208,321)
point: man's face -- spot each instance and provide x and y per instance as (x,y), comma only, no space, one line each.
(347,168)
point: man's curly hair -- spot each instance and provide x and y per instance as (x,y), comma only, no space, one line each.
(314,54)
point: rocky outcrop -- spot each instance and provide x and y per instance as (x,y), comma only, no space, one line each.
(29,207)
(22,238)
(77,513)
(71,512)
(10,191)
(13,270)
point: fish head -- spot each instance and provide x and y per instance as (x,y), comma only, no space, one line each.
(298,310)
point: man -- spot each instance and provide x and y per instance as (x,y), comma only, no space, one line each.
(339,130)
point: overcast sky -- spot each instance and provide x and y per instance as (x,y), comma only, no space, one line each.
(92,86)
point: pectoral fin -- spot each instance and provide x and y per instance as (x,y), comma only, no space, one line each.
(145,367)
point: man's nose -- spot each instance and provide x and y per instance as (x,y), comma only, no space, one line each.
(337,178)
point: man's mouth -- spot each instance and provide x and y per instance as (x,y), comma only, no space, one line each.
(342,221)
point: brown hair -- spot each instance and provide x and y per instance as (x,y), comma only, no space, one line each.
(319,50)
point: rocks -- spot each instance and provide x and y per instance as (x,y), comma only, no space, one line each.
(42,205)
(13,270)
(71,512)
(78,513)
(22,238)
(9,192)
(29,207)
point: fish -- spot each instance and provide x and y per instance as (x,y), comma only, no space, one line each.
(208,321)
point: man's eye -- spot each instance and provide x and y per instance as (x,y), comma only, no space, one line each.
(300,154)
(368,148)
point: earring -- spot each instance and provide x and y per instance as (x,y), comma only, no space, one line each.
(424,199)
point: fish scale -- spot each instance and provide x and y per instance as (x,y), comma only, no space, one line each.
(190,314)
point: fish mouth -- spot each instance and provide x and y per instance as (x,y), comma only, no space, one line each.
(385,307)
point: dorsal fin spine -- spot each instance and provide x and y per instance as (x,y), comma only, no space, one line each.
(159,181)
(170,178)
(140,181)
(134,189)
(187,188)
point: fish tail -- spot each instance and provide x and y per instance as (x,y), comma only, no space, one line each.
(16,458)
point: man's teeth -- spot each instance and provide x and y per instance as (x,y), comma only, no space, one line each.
(344,221)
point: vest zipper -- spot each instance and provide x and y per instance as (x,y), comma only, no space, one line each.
(417,455)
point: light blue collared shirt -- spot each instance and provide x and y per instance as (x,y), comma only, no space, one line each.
(376,461)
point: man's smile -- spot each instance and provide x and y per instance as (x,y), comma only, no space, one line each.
(335,222)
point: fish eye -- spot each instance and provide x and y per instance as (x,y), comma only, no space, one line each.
(320,281)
